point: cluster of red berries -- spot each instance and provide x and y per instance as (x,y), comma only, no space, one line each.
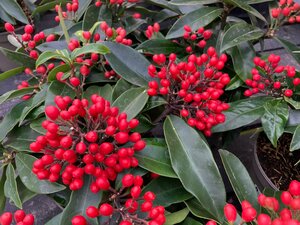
(197,38)
(118,35)
(98,3)
(285,216)
(192,89)
(71,9)
(86,138)
(29,41)
(287,10)
(19,217)
(152,30)
(128,205)
(271,78)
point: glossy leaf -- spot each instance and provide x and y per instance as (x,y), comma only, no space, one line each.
(55,220)
(274,119)
(20,138)
(94,14)
(290,48)
(57,88)
(10,186)
(83,6)
(193,2)
(177,217)
(24,164)
(18,57)
(134,69)
(15,93)
(104,91)
(2,196)
(295,143)
(168,191)
(79,201)
(195,19)
(158,46)
(47,6)
(12,72)
(242,112)
(239,33)
(155,158)
(132,24)
(132,101)
(293,103)
(120,87)
(199,210)
(165,5)
(52,46)
(242,56)
(11,119)
(61,68)
(239,178)
(243,5)
(37,100)
(91,48)
(6,17)
(47,55)
(190,221)
(13,8)
(235,82)
(193,162)
(36,125)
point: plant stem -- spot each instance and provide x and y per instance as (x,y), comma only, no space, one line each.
(63,25)
(163,115)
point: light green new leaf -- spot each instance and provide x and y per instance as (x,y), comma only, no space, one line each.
(91,48)
(295,143)
(177,217)
(12,72)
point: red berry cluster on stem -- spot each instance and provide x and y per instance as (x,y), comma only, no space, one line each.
(152,29)
(71,10)
(98,3)
(289,215)
(197,38)
(86,138)
(118,35)
(270,78)
(20,218)
(192,89)
(288,10)
(127,205)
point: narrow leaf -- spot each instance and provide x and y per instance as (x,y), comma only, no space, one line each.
(10,186)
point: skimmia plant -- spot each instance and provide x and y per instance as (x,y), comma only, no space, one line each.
(120,97)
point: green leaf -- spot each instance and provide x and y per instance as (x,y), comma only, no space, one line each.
(6,17)
(165,5)
(12,8)
(195,19)
(155,158)
(11,119)
(10,186)
(242,56)
(57,88)
(24,164)
(158,46)
(79,201)
(243,5)
(132,24)
(177,217)
(47,55)
(15,93)
(98,77)
(37,100)
(274,119)
(83,6)
(167,190)
(132,101)
(36,125)
(61,68)
(193,162)
(94,14)
(20,138)
(24,193)
(199,210)
(295,143)
(133,69)
(293,103)
(12,72)
(239,33)
(52,46)
(55,220)
(239,178)
(2,196)
(120,87)
(91,48)
(47,6)
(190,221)
(104,91)
(235,83)
(289,47)
(193,2)
(242,112)
(18,57)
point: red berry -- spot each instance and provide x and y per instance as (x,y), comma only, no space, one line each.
(128,180)
(19,215)
(28,219)
(52,112)
(6,218)
(28,29)
(79,220)
(106,209)
(91,136)
(263,219)
(288,93)
(248,214)
(9,28)
(92,212)
(230,213)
